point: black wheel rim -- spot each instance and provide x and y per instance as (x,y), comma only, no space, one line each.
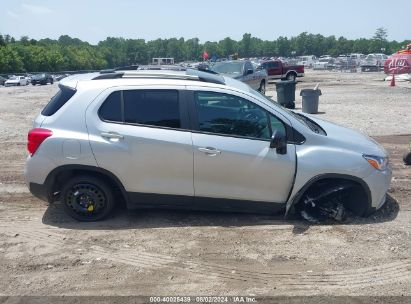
(86,199)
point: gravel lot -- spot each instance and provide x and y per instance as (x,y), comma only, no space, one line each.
(43,252)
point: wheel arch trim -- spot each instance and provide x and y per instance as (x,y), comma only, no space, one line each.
(291,202)
(51,178)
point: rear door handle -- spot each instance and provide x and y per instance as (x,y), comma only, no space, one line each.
(209,151)
(112,135)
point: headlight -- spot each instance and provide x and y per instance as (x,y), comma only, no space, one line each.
(379,163)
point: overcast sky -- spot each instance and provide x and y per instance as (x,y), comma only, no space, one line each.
(94,20)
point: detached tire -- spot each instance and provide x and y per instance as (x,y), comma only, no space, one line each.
(407,158)
(87,198)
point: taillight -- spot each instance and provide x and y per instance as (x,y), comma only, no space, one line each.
(36,137)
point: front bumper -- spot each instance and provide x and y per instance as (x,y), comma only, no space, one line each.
(379,183)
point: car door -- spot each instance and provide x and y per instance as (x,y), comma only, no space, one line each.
(250,79)
(142,137)
(274,69)
(232,157)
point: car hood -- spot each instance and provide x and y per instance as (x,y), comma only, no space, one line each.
(350,139)
(232,75)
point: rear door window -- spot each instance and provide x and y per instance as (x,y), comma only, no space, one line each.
(58,100)
(146,107)
(152,107)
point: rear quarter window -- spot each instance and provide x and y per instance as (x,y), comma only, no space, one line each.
(111,108)
(58,100)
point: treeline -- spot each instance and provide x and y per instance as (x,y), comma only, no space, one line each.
(71,54)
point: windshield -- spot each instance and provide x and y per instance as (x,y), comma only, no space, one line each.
(228,68)
(39,76)
(14,78)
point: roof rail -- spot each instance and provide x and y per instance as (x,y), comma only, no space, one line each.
(158,74)
(109,75)
(189,74)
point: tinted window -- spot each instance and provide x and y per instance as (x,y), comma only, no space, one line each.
(111,108)
(277,125)
(231,115)
(248,66)
(154,107)
(273,65)
(58,100)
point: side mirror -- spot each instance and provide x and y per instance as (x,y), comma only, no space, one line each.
(249,71)
(279,142)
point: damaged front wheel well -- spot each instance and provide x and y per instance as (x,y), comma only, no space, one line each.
(352,192)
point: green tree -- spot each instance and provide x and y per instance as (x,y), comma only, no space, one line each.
(381,34)
(245,45)
(227,47)
(10,60)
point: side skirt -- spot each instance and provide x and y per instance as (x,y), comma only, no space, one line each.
(166,201)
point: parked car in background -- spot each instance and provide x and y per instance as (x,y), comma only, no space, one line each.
(324,63)
(307,61)
(60,77)
(43,79)
(277,69)
(345,62)
(197,140)
(16,81)
(373,62)
(2,80)
(357,57)
(244,71)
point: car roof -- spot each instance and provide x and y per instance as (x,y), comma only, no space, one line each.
(192,77)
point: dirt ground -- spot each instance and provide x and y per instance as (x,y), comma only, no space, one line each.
(43,252)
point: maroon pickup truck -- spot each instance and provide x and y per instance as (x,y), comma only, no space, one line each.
(276,69)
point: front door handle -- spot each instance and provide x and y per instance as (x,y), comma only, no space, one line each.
(209,151)
(112,135)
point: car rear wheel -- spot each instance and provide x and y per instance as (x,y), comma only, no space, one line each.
(87,198)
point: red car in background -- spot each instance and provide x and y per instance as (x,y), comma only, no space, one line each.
(277,69)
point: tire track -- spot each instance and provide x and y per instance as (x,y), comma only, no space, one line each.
(360,277)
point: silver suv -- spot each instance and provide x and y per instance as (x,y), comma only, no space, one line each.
(192,139)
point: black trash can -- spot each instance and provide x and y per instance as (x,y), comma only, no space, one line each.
(286,93)
(310,100)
